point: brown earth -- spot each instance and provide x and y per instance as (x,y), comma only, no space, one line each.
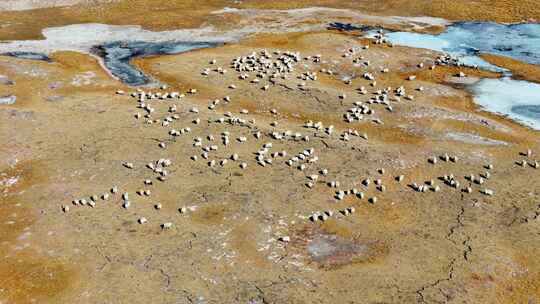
(68,138)
(165,15)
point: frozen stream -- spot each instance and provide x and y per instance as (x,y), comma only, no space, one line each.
(519,100)
(117,55)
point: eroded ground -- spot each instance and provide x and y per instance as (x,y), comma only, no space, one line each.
(68,135)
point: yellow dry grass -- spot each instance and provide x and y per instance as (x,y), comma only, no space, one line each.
(520,70)
(164,15)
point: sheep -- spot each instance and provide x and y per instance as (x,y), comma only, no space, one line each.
(284,239)
(323,217)
(333,184)
(142,220)
(487,192)
(166,226)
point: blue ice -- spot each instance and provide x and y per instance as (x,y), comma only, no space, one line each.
(117,55)
(519,100)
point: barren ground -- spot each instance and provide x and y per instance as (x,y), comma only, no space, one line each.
(68,134)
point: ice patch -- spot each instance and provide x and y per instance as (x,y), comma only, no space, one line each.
(519,100)
(28,55)
(467,39)
(85,37)
(8,100)
(22,5)
(117,56)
